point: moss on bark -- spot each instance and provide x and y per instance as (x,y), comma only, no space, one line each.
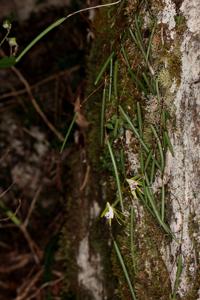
(144,75)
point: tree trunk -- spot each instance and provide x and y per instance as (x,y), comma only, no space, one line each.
(184,168)
(145,61)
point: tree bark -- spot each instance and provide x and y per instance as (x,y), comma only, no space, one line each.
(159,236)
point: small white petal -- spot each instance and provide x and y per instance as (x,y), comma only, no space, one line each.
(110,213)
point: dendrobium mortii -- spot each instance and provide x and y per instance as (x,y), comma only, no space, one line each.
(135,185)
(110,212)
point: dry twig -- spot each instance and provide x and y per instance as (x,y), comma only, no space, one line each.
(34,102)
(18,262)
(24,293)
(45,285)
(32,206)
(20,92)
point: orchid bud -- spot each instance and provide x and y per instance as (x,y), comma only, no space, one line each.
(7,25)
(12,42)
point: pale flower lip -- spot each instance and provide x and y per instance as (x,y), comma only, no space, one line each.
(110,213)
(132,183)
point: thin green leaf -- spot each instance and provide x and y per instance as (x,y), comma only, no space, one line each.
(141,161)
(137,82)
(153,85)
(12,216)
(122,161)
(126,117)
(162,162)
(132,235)
(116,175)
(163,203)
(147,82)
(152,175)
(139,117)
(68,133)
(163,119)
(149,157)
(150,41)
(116,128)
(134,37)
(144,199)
(103,116)
(124,270)
(103,68)
(56,24)
(178,275)
(137,38)
(145,193)
(40,36)
(115,79)
(110,80)
(168,142)
(154,207)
(157,89)
(138,31)
(155,210)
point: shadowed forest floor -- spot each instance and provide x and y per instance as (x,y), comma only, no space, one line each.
(34,177)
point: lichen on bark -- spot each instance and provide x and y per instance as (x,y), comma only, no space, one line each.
(174,61)
(184,171)
(160,247)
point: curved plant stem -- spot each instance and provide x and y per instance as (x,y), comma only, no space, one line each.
(56,24)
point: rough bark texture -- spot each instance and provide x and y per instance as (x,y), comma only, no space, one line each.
(184,167)
(160,267)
